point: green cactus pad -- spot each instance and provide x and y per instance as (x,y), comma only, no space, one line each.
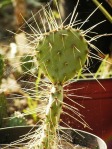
(61,54)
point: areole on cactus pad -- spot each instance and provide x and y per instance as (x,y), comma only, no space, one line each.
(62,53)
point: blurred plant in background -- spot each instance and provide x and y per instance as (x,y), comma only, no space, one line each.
(3,101)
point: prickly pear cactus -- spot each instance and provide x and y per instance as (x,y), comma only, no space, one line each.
(61,54)
(1,67)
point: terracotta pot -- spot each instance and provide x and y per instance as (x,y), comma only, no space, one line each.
(8,135)
(98,108)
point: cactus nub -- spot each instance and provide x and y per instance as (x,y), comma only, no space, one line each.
(61,54)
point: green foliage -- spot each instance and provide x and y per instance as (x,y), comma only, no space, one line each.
(4,3)
(16,120)
(1,67)
(32,104)
(105,68)
(3,109)
(103,10)
(3,102)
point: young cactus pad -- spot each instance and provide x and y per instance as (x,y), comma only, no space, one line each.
(62,53)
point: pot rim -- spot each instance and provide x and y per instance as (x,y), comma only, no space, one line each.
(100,141)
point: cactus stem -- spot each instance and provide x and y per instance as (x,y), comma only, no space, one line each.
(52,118)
